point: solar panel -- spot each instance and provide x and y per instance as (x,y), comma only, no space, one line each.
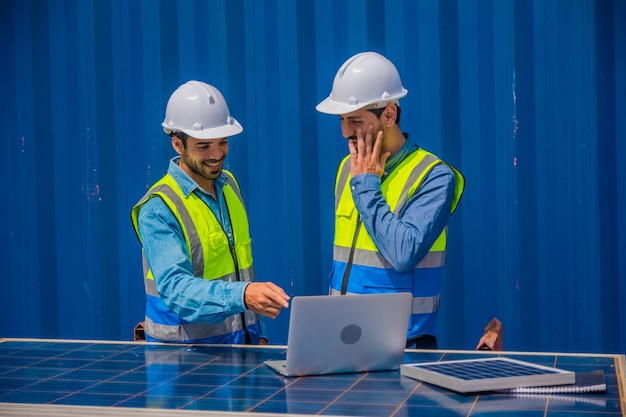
(124,379)
(486,374)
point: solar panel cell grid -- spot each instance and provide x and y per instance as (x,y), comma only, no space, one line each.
(485,370)
(487,374)
(56,378)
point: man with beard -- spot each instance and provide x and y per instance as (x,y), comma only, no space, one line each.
(393,199)
(193,228)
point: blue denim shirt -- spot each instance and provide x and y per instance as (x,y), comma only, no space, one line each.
(191,298)
(406,239)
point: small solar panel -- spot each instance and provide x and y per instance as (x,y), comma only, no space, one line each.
(486,374)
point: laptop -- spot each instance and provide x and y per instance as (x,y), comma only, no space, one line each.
(348,333)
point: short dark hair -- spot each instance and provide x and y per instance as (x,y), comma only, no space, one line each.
(180,135)
(380,111)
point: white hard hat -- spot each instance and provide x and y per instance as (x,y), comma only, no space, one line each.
(367,80)
(200,111)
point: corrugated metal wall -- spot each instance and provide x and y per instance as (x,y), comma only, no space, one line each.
(526,97)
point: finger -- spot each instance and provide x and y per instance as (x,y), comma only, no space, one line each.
(278,301)
(272,312)
(277,289)
(378,143)
(277,297)
(383,159)
(352,147)
(360,142)
(283,301)
(281,293)
(368,138)
(267,314)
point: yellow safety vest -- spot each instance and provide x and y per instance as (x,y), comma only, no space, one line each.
(369,271)
(210,255)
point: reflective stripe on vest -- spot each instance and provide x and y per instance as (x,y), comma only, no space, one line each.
(376,260)
(421,305)
(197,331)
(195,246)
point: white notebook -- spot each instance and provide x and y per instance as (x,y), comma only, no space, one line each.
(586,382)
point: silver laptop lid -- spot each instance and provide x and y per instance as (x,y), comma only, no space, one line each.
(350,333)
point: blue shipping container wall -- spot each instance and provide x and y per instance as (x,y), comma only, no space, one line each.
(526,97)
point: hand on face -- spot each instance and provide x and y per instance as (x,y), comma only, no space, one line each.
(265,298)
(365,153)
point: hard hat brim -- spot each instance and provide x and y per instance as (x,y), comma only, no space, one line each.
(329,106)
(205,134)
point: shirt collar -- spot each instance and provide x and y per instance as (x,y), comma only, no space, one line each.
(406,149)
(187,184)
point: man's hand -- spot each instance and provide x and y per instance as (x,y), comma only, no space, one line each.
(488,341)
(365,155)
(492,336)
(265,298)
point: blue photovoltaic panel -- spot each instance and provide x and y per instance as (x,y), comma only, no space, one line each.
(487,374)
(61,378)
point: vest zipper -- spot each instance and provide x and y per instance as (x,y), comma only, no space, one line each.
(233,253)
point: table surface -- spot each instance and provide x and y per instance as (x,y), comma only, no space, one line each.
(77,377)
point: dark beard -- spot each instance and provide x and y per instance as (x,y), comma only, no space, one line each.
(198,167)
